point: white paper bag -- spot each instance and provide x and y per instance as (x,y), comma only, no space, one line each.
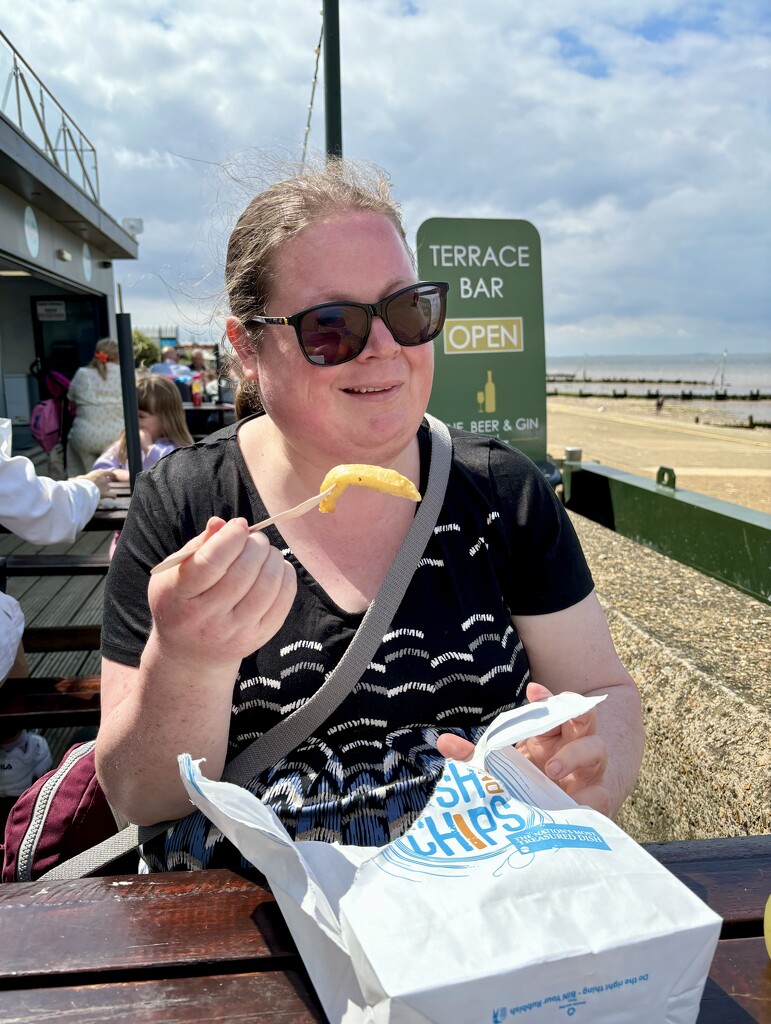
(504,901)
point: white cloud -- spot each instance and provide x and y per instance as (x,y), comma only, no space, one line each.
(633,135)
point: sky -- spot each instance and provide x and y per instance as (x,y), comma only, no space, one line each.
(634,135)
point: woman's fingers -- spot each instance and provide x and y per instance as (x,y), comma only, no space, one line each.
(266,577)
(210,559)
(455,747)
(233,585)
(582,760)
(213,526)
(536,692)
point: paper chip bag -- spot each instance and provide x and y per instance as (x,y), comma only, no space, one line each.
(504,901)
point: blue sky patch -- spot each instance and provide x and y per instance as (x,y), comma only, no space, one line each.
(661,29)
(580,55)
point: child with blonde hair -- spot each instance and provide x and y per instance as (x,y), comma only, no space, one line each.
(162,426)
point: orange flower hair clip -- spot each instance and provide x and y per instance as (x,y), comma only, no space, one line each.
(102,357)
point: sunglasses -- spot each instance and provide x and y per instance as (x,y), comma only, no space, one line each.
(336,332)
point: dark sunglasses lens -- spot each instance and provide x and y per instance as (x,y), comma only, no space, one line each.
(333,334)
(416,315)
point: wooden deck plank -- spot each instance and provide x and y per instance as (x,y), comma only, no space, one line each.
(67,663)
(10,544)
(63,605)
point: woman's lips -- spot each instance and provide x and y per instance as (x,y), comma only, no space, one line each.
(372,390)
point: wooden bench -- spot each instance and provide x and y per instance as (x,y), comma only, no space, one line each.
(52,702)
(40,702)
(45,639)
(213,945)
(52,565)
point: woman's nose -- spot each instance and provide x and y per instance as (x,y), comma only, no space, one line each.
(380,343)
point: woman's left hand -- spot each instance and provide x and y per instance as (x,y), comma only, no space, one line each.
(572,755)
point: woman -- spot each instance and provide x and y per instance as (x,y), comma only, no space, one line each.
(162,427)
(96,393)
(224,645)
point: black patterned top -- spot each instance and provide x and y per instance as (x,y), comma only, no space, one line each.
(450,662)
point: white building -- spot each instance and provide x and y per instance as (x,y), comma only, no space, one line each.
(57,243)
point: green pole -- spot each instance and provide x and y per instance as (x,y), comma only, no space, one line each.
(332,113)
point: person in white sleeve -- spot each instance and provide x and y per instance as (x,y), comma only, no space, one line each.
(41,511)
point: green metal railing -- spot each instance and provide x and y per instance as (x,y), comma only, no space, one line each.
(28,104)
(726,541)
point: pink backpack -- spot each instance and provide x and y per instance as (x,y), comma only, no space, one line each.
(46,419)
(45,423)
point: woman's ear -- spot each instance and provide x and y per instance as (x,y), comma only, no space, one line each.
(244,346)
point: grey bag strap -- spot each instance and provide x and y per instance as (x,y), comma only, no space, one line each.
(97,857)
(291,731)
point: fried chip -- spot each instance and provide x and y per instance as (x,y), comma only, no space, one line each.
(386,480)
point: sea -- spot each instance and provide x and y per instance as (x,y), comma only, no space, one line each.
(741,380)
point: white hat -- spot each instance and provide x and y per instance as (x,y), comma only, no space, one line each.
(11,629)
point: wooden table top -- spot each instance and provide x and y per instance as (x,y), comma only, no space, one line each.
(213,944)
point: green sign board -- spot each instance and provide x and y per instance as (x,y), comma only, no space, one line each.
(490,358)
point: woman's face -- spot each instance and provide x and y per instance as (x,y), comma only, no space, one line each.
(368,409)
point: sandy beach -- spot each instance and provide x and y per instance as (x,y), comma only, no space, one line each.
(708,453)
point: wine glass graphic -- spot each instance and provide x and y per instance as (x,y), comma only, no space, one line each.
(481,401)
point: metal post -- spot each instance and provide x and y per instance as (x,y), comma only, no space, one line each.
(332,113)
(129,388)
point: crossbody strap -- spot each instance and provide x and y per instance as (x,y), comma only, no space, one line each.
(291,731)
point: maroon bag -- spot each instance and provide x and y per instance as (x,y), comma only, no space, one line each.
(62,814)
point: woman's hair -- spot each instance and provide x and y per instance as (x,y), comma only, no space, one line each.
(160,396)
(107,349)
(247,398)
(283,209)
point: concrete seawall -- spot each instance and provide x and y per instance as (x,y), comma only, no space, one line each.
(700,652)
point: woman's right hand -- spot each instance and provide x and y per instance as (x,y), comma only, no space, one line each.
(226,600)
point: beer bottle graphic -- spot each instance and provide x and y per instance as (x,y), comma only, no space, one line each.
(489,393)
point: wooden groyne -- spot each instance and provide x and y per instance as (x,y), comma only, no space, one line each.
(585,389)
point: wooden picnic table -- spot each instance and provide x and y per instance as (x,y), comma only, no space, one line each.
(110,515)
(212,945)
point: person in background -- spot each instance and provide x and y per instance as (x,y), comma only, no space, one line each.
(96,394)
(169,365)
(41,511)
(198,361)
(162,427)
(331,323)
